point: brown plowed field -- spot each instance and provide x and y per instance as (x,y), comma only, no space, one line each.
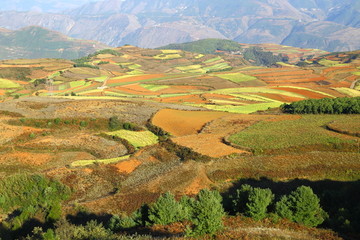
(207,144)
(306,93)
(128,166)
(181,123)
(279,97)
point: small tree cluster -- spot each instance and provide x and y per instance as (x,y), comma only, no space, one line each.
(252,202)
(205,212)
(344,105)
(301,206)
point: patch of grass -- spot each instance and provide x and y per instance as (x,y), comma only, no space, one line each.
(328,63)
(83,163)
(168,51)
(348,91)
(199,56)
(77,83)
(218,67)
(168,56)
(356,73)
(213,60)
(256,90)
(190,67)
(5,83)
(308,130)
(153,87)
(137,139)
(243,109)
(236,77)
(99,79)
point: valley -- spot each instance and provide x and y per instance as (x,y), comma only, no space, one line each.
(122,126)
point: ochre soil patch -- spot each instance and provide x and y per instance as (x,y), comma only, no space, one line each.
(135,89)
(127,166)
(2,92)
(207,144)
(290,73)
(27,158)
(303,92)
(181,123)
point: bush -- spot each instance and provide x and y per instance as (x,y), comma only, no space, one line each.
(57,120)
(83,123)
(114,123)
(252,202)
(207,213)
(301,206)
(165,210)
(29,196)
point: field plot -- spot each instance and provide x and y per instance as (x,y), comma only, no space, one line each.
(306,131)
(5,83)
(137,139)
(236,77)
(181,123)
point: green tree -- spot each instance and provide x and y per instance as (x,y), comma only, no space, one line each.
(301,206)
(165,210)
(252,202)
(207,213)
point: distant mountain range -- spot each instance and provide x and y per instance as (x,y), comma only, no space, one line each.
(38,42)
(330,25)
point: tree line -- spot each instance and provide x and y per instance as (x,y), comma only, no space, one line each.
(344,105)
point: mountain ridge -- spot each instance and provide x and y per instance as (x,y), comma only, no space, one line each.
(152,24)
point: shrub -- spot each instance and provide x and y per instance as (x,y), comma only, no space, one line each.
(301,206)
(57,120)
(32,135)
(83,123)
(252,202)
(30,195)
(207,213)
(114,123)
(165,210)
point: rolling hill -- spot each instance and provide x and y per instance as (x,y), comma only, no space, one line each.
(38,42)
(327,24)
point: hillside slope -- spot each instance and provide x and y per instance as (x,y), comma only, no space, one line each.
(37,42)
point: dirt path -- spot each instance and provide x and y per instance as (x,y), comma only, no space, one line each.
(353,84)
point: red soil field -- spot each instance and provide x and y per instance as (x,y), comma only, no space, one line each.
(135,89)
(279,97)
(22,82)
(285,73)
(306,93)
(215,95)
(127,166)
(135,78)
(207,144)
(180,99)
(2,92)
(182,123)
(27,158)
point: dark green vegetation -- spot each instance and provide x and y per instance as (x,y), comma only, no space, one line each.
(255,55)
(324,106)
(25,196)
(37,42)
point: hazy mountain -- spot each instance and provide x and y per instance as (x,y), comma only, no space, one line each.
(153,23)
(37,42)
(41,5)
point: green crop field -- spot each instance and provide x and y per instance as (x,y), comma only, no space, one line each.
(82,163)
(137,139)
(256,90)
(99,79)
(153,87)
(348,91)
(169,51)
(168,56)
(236,77)
(243,109)
(213,60)
(328,63)
(77,83)
(5,83)
(308,130)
